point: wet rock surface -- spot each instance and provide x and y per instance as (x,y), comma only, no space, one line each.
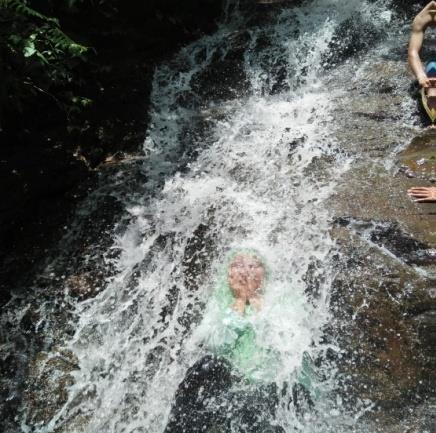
(418,160)
(49,375)
(36,371)
(383,295)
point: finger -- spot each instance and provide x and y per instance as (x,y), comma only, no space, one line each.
(418,193)
(425,198)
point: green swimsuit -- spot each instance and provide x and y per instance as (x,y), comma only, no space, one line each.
(235,340)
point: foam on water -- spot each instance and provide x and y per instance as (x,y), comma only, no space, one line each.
(264,166)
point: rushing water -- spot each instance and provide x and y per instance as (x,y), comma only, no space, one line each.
(248,163)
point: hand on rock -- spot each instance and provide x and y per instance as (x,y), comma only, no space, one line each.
(423,194)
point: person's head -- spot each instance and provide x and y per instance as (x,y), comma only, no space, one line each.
(246,275)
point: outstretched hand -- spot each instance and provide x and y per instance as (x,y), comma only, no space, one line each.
(422,194)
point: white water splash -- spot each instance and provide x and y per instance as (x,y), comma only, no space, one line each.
(264,167)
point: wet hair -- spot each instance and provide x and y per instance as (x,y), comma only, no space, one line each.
(248,252)
(254,257)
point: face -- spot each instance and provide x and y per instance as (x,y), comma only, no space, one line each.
(246,275)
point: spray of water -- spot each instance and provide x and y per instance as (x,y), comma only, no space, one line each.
(252,171)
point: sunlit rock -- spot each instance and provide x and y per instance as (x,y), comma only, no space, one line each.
(48,380)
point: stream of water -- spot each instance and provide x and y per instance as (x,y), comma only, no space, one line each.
(243,164)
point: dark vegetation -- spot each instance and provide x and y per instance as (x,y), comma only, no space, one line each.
(75,78)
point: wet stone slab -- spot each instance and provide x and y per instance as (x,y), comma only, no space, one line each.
(371,193)
(381,305)
(384,294)
(418,160)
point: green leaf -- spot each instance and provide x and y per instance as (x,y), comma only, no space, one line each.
(42,57)
(81,100)
(29,49)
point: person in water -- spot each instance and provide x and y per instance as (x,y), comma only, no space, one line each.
(426,18)
(231,321)
(208,383)
(423,194)
(246,276)
(232,388)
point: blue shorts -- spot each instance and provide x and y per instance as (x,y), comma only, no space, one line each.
(430,69)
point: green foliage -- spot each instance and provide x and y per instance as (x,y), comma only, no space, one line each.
(37,53)
(46,33)
(21,8)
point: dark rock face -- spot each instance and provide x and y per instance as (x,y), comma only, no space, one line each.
(388,235)
(225,72)
(409,7)
(209,381)
(44,169)
(38,186)
(350,39)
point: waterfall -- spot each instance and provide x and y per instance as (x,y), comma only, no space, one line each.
(240,153)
